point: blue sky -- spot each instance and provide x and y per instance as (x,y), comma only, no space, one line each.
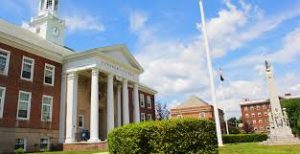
(165,37)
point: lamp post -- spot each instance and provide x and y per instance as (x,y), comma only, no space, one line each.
(212,84)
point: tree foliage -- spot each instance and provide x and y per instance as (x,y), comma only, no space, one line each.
(293,110)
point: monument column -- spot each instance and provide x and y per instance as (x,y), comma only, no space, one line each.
(71,118)
(125,103)
(136,103)
(94,121)
(110,103)
(280,131)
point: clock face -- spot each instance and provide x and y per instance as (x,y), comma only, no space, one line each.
(55,31)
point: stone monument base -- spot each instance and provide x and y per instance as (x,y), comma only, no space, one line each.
(289,141)
(281,136)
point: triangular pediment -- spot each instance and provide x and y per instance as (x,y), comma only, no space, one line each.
(121,54)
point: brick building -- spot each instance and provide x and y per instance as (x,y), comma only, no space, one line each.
(255,113)
(195,107)
(50,93)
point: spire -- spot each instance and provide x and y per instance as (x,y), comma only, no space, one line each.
(48,6)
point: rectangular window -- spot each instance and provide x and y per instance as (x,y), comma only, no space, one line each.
(49,74)
(179,116)
(143,117)
(46,114)
(44,144)
(2,98)
(202,115)
(245,108)
(4,61)
(149,102)
(24,105)
(81,121)
(27,68)
(149,117)
(142,100)
(247,115)
(20,143)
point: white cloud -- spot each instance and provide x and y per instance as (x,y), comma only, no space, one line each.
(288,52)
(81,22)
(137,20)
(178,69)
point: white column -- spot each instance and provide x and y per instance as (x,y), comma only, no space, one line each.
(125,102)
(62,112)
(136,103)
(119,106)
(110,103)
(94,119)
(71,124)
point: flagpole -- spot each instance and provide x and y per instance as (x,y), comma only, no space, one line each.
(225,115)
(210,70)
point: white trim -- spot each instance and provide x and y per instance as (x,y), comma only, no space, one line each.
(149,102)
(2,101)
(142,99)
(31,71)
(51,105)
(53,74)
(28,107)
(48,147)
(25,143)
(7,61)
(143,117)
(82,116)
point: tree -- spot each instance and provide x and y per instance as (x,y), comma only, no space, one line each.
(161,111)
(293,110)
(233,125)
(248,128)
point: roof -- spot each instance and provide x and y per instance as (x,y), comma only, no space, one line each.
(147,89)
(263,101)
(193,101)
(24,39)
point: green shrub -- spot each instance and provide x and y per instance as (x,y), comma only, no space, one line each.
(19,151)
(238,138)
(181,136)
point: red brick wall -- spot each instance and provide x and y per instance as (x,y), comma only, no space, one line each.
(264,118)
(142,110)
(145,109)
(13,84)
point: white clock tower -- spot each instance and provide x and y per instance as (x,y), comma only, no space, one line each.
(47,24)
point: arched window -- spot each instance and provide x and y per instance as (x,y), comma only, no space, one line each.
(42,4)
(49,4)
(56,5)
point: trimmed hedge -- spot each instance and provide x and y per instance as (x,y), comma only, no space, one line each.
(238,138)
(181,136)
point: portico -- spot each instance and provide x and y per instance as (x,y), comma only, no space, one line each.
(96,86)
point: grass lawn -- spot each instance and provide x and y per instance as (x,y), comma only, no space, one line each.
(241,148)
(256,148)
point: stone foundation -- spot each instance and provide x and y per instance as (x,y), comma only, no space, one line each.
(85,146)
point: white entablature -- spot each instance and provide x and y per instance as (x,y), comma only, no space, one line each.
(115,60)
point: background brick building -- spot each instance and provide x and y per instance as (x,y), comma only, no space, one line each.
(195,107)
(255,113)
